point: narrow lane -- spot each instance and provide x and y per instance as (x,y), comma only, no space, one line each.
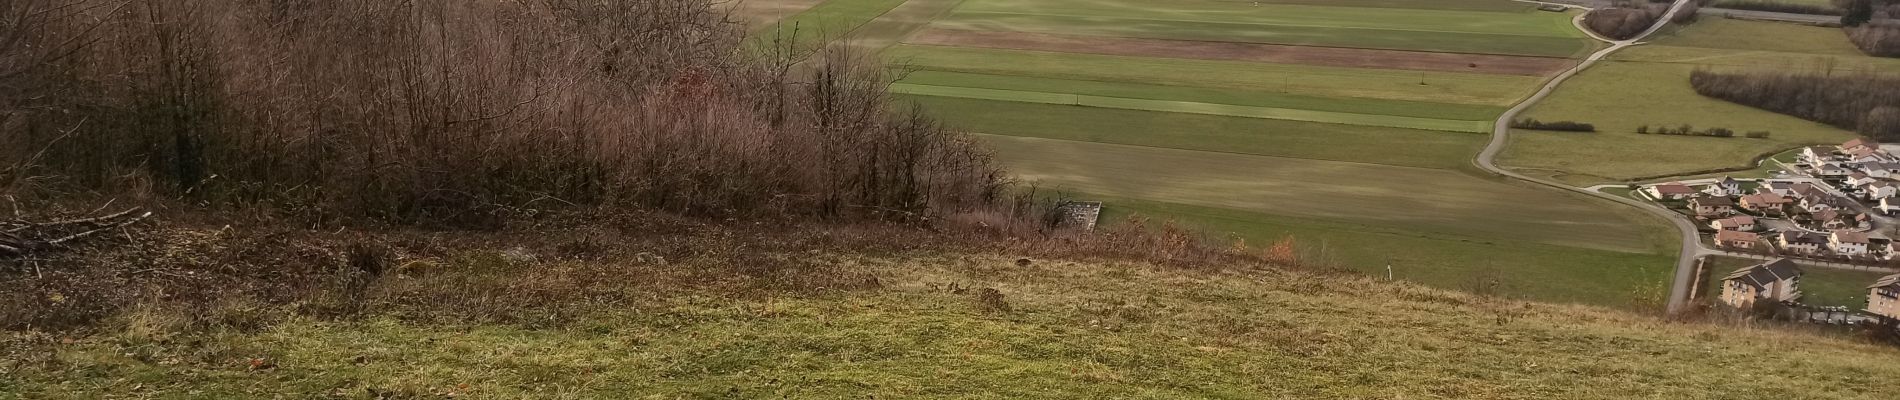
(1487,160)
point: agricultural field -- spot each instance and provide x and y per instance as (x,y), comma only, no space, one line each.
(1348,122)
(1649,85)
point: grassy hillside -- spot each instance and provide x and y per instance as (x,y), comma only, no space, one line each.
(1057,330)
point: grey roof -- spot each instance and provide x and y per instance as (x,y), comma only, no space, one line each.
(1889,280)
(1761,275)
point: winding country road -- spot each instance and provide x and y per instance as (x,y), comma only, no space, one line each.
(1487,159)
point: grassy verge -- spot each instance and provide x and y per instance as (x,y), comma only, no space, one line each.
(1071,330)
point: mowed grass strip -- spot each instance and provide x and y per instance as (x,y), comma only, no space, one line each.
(819,24)
(1520,269)
(1522,23)
(1454,42)
(1424,200)
(1458,5)
(1196,108)
(1365,144)
(1422,86)
(1649,85)
(1467,112)
(1254,52)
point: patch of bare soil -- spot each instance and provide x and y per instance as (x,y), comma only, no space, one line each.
(1307,55)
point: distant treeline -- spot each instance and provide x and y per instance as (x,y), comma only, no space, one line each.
(1868,104)
(1871,25)
(1779,6)
(1569,126)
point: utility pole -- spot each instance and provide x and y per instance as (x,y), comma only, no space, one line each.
(1388,269)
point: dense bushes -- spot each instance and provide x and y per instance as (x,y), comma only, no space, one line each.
(1570,126)
(1623,22)
(442,110)
(1868,104)
(1779,6)
(1879,40)
(1688,130)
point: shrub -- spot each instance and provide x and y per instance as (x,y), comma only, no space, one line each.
(1622,23)
(465,111)
(1570,126)
(1876,39)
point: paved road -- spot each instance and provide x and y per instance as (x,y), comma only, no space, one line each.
(1487,159)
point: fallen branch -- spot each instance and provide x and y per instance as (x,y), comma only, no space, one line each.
(24,238)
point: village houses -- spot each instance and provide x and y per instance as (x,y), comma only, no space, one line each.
(1860,179)
(1775,281)
(1880,190)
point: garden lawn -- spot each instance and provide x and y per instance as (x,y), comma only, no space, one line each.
(1394,146)
(1437,201)
(1313,81)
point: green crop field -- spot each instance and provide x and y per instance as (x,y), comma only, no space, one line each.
(1516,30)
(1519,268)
(1648,85)
(1406,147)
(1442,87)
(1185,107)
(828,20)
(1214,95)
(1262,141)
(1418,199)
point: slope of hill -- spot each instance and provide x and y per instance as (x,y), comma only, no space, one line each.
(950,324)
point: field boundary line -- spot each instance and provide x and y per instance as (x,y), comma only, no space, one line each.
(1216,109)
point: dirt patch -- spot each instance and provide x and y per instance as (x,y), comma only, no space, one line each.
(1308,55)
(762,13)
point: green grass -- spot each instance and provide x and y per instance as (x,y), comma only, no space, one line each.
(1455,42)
(1649,85)
(1521,23)
(1405,147)
(826,21)
(1239,97)
(1184,107)
(1523,269)
(1075,330)
(1437,201)
(1460,5)
(1436,87)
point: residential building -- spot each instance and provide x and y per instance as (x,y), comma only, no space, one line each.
(1670,191)
(1801,242)
(1783,189)
(1767,203)
(1773,281)
(1848,243)
(1735,223)
(1883,297)
(1830,169)
(1816,154)
(1711,205)
(1859,179)
(1816,203)
(1860,143)
(1866,155)
(1880,190)
(1724,187)
(1736,239)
